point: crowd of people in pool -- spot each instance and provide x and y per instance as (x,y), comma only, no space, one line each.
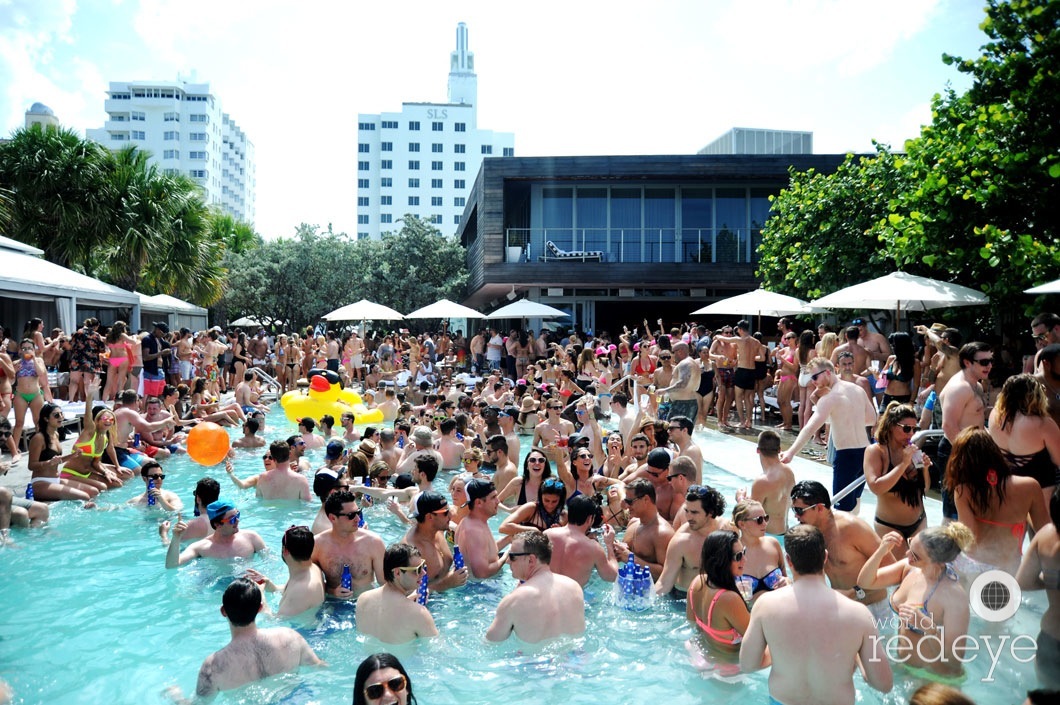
(457,413)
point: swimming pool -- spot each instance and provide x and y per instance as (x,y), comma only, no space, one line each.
(90,614)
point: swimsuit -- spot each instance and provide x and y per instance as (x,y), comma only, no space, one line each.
(744,378)
(849,465)
(706,383)
(906,530)
(911,492)
(789,360)
(764,584)
(947,573)
(1037,465)
(28,368)
(1018,530)
(91,442)
(729,637)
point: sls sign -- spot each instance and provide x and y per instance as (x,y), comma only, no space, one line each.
(434,114)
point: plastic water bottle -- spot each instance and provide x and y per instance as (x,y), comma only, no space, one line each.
(421,592)
(361,523)
(29,491)
(136,440)
(458,558)
(347,577)
(929,403)
(151,501)
(401,441)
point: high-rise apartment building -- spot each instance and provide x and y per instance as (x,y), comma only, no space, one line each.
(183,127)
(423,160)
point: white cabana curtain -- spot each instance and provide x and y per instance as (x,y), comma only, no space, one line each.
(67,309)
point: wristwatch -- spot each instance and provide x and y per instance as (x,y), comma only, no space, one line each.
(859,594)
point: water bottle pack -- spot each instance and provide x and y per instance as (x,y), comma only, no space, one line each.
(634,588)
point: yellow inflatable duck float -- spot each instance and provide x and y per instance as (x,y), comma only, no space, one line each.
(326,396)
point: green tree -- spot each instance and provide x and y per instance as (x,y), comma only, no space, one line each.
(55,179)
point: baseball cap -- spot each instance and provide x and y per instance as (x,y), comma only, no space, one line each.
(334,449)
(477,489)
(218,508)
(429,502)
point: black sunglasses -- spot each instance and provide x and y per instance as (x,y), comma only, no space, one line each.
(376,690)
(159,476)
(350,515)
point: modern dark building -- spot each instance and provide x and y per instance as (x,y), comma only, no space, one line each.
(615,239)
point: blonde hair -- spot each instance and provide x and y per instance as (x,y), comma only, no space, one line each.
(938,694)
(743,509)
(828,344)
(943,543)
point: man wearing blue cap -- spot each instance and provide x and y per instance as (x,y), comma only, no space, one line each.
(226,541)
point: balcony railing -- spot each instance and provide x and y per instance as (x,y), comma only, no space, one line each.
(635,245)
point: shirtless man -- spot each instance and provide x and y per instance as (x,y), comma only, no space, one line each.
(346,544)
(477,347)
(226,541)
(332,346)
(252,654)
(554,429)
(250,438)
(506,420)
(660,379)
(845,406)
(682,391)
(574,554)
(278,481)
(796,623)
(703,509)
(681,477)
(963,406)
(1049,376)
(186,355)
(152,475)
(845,365)
(772,489)
(627,415)
(497,453)
(210,368)
(206,492)
(389,406)
(160,443)
(680,433)
(304,589)
(128,420)
(946,363)
(422,444)
(386,612)
(306,426)
(656,469)
(850,542)
(853,346)
(747,350)
(648,534)
(544,605)
(245,394)
(474,536)
(427,534)
(356,346)
(875,344)
(724,357)
(638,451)
(450,449)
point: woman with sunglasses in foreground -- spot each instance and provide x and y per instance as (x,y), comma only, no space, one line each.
(896,471)
(715,604)
(382,679)
(929,600)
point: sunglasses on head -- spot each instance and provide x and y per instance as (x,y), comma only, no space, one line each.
(376,690)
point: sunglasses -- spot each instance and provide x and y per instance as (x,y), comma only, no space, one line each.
(817,374)
(985,362)
(673,475)
(57,415)
(468,459)
(665,357)
(555,408)
(627,500)
(582,456)
(535,461)
(915,557)
(907,427)
(233,520)
(758,520)
(350,515)
(421,568)
(1040,336)
(516,554)
(266,457)
(738,556)
(376,690)
(159,476)
(799,511)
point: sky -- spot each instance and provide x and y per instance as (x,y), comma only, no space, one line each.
(568,78)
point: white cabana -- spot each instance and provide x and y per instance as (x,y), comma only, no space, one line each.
(31,281)
(173,311)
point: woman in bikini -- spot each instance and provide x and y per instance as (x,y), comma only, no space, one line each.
(992,502)
(581,479)
(536,469)
(1027,436)
(31,386)
(902,371)
(97,463)
(544,513)
(120,360)
(787,373)
(897,472)
(714,602)
(930,606)
(804,354)
(46,457)
(616,461)
(7,375)
(34,331)
(765,557)
(240,359)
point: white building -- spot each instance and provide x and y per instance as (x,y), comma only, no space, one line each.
(752,140)
(41,114)
(423,160)
(183,127)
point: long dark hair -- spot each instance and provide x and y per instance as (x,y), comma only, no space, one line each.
(372,664)
(526,466)
(977,465)
(715,559)
(42,419)
(806,349)
(902,345)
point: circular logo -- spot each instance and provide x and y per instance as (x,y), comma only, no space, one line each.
(995,596)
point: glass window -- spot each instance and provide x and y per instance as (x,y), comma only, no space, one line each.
(414,200)
(386,182)
(386,164)
(386,147)
(459,201)
(487,149)
(458,166)
(389,125)
(436,166)
(731,223)
(362,183)
(362,200)
(437,126)
(591,217)
(625,224)
(460,127)
(459,148)
(414,125)
(509,151)
(414,165)
(436,183)
(362,220)
(458,183)
(437,147)
(659,220)
(436,200)
(363,166)
(414,183)
(386,218)
(414,146)
(363,148)
(557,210)
(697,205)
(386,200)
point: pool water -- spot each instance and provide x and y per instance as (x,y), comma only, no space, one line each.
(89,614)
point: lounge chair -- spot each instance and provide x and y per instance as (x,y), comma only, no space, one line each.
(556,254)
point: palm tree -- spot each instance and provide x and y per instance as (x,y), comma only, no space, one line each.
(55,178)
